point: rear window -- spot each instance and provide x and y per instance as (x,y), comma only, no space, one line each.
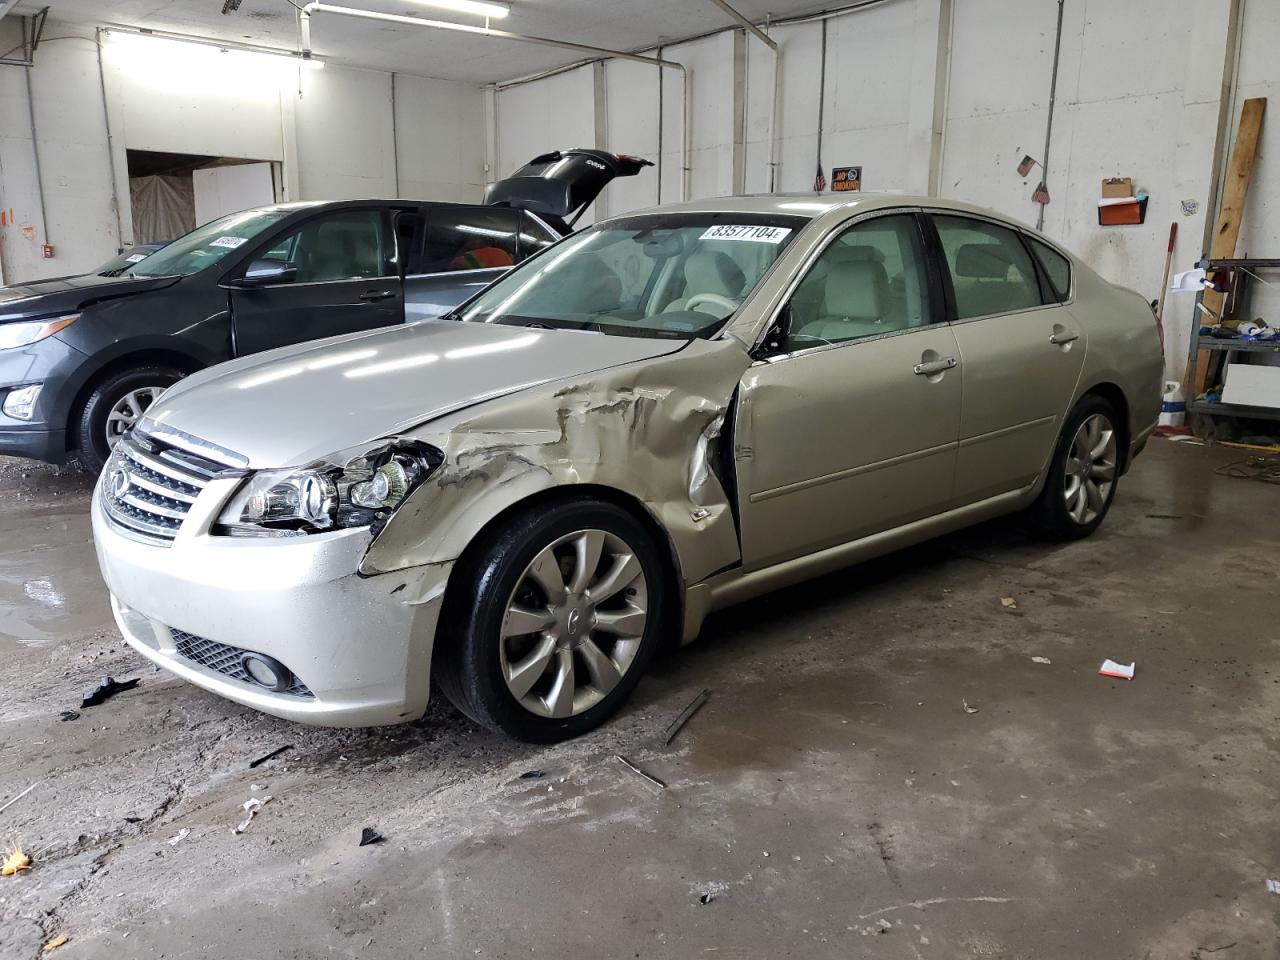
(1056,267)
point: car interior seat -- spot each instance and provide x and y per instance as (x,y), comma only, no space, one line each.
(707,271)
(856,298)
(983,283)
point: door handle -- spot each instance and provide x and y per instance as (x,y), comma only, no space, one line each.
(372,295)
(929,368)
(1066,336)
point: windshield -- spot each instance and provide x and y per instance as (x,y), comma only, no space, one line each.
(206,245)
(661,275)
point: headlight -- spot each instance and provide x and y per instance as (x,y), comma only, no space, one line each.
(359,490)
(29,332)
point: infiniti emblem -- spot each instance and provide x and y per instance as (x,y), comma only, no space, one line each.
(118,482)
(572,623)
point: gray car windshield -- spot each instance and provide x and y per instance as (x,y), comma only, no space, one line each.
(206,245)
(678,275)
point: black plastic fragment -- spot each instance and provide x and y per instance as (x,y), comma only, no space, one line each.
(107,688)
(370,836)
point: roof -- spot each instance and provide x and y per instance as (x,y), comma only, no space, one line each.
(814,205)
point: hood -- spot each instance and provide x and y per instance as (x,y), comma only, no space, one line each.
(298,405)
(42,298)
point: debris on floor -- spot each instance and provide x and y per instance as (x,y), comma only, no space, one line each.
(1041,660)
(254,764)
(369,836)
(532,775)
(706,898)
(967,709)
(15,861)
(178,837)
(1122,671)
(686,714)
(68,715)
(11,802)
(1273,886)
(1009,603)
(640,773)
(251,808)
(55,943)
(107,688)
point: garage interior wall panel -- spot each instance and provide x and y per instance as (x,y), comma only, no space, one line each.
(194,106)
(440,139)
(73,159)
(345,143)
(631,127)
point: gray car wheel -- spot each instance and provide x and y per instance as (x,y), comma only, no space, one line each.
(552,621)
(1083,473)
(114,406)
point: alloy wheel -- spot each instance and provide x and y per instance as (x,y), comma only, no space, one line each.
(574,623)
(1090,470)
(127,411)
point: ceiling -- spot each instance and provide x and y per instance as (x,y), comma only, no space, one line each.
(615,24)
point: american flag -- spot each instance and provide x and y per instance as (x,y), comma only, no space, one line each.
(820,181)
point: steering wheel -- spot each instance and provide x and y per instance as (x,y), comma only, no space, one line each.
(712,298)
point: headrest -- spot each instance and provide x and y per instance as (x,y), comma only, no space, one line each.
(987,261)
(847,253)
(857,290)
(713,272)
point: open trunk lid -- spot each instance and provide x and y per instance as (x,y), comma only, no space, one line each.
(561,184)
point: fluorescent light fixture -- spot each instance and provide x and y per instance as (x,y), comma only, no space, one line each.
(170,48)
(479,7)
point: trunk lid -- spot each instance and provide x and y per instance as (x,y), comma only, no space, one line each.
(560,185)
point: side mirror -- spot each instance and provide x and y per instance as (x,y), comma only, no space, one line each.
(265,273)
(775,339)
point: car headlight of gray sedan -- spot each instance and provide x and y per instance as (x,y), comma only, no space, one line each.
(360,488)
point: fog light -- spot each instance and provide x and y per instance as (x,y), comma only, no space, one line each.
(19,403)
(266,672)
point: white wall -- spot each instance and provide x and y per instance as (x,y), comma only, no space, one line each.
(931,107)
(331,129)
(73,162)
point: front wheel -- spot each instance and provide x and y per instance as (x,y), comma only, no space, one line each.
(114,406)
(1082,474)
(562,611)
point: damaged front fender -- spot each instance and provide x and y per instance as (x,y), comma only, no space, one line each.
(648,430)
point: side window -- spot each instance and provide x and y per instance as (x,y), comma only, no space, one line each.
(470,238)
(870,281)
(991,271)
(1056,266)
(534,236)
(342,246)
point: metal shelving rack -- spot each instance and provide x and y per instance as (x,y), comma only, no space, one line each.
(1228,348)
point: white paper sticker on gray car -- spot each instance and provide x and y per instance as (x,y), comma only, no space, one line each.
(755,234)
(228,242)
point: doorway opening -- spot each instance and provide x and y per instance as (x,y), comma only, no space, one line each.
(173,193)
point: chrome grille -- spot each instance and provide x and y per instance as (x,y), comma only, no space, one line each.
(149,485)
(225,660)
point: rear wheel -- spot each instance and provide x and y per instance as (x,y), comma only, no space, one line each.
(1083,473)
(562,612)
(114,406)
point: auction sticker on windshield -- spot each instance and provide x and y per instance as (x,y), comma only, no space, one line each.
(756,234)
(229,242)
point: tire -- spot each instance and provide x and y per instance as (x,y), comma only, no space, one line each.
(94,419)
(513,568)
(1083,473)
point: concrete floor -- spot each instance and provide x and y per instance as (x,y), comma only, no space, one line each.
(834,796)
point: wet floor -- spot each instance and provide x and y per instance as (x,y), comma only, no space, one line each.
(886,768)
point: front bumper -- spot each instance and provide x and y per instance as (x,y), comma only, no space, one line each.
(35,443)
(361,645)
